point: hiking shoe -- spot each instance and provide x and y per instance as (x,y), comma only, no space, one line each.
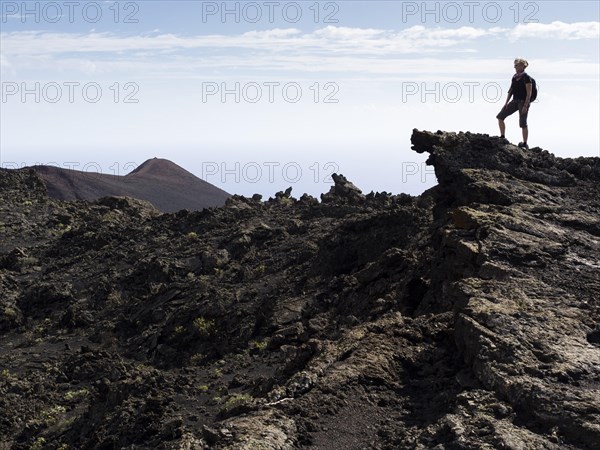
(523,145)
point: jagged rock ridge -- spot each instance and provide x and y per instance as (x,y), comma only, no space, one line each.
(465,318)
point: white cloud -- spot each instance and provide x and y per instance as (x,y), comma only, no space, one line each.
(347,33)
(87,67)
(421,32)
(6,68)
(343,52)
(556,30)
(276,33)
(330,39)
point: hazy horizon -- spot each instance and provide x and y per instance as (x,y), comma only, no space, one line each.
(255,97)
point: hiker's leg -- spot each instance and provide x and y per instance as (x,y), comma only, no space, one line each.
(506,111)
(523,122)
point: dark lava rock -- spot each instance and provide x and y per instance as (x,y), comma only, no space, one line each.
(465,318)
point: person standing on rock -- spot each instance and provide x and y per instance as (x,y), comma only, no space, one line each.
(520,89)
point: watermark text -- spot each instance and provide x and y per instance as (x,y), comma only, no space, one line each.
(269,171)
(269,12)
(69,12)
(450,92)
(68,92)
(414,170)
(454,12)
(269,92)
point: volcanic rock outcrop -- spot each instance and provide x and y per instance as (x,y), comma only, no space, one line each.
(465,318)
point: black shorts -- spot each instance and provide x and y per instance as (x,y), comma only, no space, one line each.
(511,107)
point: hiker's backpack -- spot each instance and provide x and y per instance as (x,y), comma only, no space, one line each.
(533,89)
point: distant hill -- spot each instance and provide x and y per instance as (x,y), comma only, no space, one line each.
(163,183)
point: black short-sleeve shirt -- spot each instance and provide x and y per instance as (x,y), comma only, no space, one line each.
(517,87)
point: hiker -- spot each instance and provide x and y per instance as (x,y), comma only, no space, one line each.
(521,88)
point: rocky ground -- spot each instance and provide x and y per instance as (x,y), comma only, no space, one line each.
(465,318)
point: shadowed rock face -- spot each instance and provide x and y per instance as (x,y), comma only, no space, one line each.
(159,181)
(465,318)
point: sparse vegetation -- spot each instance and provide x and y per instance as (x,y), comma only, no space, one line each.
(204,327)
(52,415)
(38,444)
(10,312)
(237,399)
(192,236)
(260,345)
(63,227)
(75,395)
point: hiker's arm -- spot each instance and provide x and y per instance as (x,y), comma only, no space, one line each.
(528,87)
(509,96)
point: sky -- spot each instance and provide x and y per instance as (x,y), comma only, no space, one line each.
(255,97)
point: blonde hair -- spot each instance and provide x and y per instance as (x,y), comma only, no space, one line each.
(522,61)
